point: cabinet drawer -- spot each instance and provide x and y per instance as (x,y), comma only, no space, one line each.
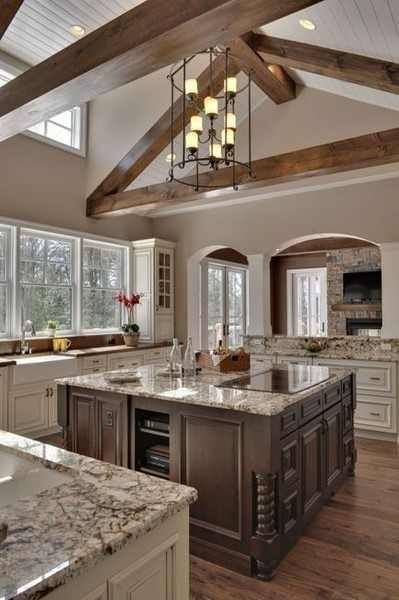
(125,361)
(310,407)
(95,362)
(289,421)
(260,363)
(293,360)
(374,415)
(376,379)
(155,356)
(332,395)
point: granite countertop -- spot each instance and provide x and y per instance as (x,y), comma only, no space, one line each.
(200,390)
(62,531)
(110,349)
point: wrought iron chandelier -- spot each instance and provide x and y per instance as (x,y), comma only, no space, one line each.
(210,123)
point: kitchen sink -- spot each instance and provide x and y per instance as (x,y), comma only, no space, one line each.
(41,367)
(21,478)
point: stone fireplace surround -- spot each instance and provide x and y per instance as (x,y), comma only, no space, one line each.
(345,261)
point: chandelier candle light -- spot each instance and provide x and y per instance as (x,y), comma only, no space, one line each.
(209,135)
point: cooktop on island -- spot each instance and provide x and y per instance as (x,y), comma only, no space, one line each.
(278,380)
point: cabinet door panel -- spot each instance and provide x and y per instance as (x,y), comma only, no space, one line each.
(150,579)
(312,452)
(333,445)
(28,409)
(111,434)
(212,463)
(84,424)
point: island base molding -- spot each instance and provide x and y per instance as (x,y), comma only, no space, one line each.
(260,478)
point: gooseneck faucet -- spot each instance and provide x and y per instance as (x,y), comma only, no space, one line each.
(27,329)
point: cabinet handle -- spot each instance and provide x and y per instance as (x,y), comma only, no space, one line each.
(47,392)
(374,414)
(51,392)
(375,379)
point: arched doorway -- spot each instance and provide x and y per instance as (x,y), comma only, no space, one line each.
(326,284)
(217,297)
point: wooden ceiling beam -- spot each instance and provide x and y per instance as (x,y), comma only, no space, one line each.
(270,78)
(363,70)
(142,40)
(346,155)
(156,139)
(8,10)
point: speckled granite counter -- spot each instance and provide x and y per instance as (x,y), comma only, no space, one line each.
(59,533)
(200,390)
(94,351)
(339,348)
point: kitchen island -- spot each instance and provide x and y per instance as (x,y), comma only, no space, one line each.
(265,453)
(76,528)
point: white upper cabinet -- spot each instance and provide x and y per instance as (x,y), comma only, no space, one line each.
(153,278)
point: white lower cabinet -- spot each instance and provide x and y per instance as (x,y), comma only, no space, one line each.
(32,409)
(151,577)
(28,408)
(152,567)
(3,398)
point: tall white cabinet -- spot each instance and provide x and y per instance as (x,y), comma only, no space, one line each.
(154,279)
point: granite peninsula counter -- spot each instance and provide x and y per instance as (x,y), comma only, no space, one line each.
(263,463)
(72,516)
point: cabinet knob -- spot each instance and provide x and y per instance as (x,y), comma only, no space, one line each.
(109,418)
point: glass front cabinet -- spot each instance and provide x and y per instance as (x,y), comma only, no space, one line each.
(153,278)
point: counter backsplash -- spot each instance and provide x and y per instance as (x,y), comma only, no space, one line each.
(342,347)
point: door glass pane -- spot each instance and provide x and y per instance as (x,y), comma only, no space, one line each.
(236,307)
(3,309)
(309,303)
(215,305)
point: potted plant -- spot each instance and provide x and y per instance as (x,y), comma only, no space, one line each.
(131,331)
(51,328)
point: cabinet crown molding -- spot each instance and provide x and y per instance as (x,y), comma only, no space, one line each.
(153,243)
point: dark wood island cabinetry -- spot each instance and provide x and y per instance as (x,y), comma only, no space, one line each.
(260,477)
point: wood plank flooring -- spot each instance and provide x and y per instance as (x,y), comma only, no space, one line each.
(349,552)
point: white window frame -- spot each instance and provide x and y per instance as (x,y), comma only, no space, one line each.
(80,123)
(290,299)
(125,278)
(14,308)
(18,296)
(228,266)
(9,279)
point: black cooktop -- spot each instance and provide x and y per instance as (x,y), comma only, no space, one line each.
(290,380)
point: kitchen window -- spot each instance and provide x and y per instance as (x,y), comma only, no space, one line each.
(46,279)
(103,275)
(66,130)
(307,302)
(5,281)
(224,291)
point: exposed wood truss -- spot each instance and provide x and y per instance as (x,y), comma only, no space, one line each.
(8,10)
(355,153)
(271,78)
(363,70)
(142,40)
(157,138)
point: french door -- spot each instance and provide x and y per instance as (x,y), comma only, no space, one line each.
(223,304)
(307,302)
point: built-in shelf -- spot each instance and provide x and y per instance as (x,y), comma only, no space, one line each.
(154,471)
(357,307)
(154,432)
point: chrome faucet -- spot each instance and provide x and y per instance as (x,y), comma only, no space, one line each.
(27,329)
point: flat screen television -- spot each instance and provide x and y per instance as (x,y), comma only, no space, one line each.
(363,287)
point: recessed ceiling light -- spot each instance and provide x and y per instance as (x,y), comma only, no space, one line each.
(307,24)
(77,30)
(169,158)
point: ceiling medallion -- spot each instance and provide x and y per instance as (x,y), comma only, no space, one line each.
(211,130)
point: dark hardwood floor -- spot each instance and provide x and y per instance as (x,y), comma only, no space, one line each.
(349,552)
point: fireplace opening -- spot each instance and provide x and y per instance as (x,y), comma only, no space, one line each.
(364,327)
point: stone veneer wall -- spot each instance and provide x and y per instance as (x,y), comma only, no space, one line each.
(338,263)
